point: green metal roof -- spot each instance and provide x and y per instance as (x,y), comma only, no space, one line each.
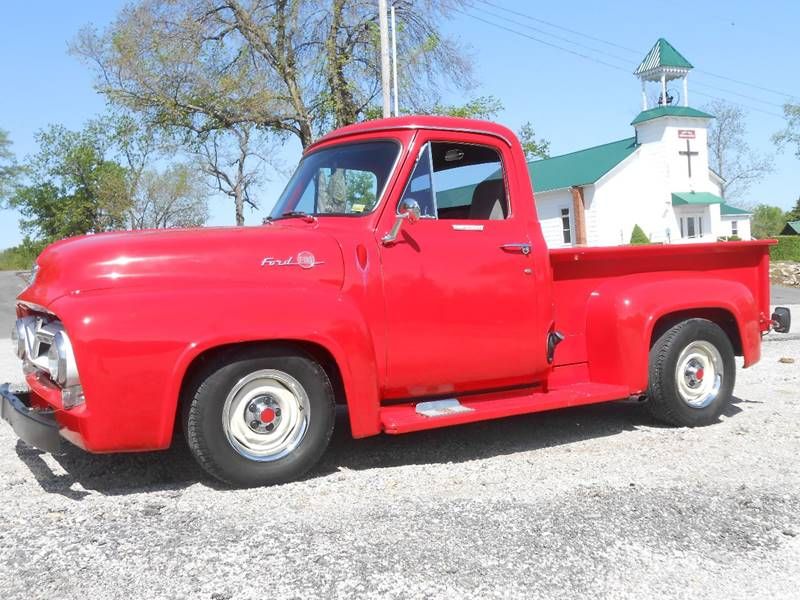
(576,168)
(792,228)
(669,111)
(663,54)
(579,168)
(682,198)
(727,209)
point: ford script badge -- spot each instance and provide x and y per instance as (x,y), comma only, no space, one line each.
(304,260)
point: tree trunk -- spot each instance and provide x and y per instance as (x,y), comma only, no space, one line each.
(238,197)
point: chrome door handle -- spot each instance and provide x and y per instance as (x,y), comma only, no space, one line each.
(523,248)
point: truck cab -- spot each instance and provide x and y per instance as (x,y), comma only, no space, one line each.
(402,273)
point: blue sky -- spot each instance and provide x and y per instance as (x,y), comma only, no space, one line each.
(573,101)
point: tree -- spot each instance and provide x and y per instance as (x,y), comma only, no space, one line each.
(173,198)
(74,187)
(488,107)
(9,170)
(794,214)
(638,236)
(223,76)
(532,147)
(767,221)
(791,134)
(730,155)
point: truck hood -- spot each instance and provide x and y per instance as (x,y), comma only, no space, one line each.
(223,256)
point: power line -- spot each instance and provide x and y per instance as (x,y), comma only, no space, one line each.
(555,26)
(752,85)
(621,47)
(739,104)
(601,62)
(546,43)
(719,89)
(550,34)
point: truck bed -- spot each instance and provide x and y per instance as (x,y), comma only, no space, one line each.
(591,286)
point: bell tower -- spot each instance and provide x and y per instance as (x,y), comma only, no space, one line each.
(662,65)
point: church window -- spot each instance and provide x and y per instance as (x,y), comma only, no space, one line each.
(566,227)
(690,232)
(734,228)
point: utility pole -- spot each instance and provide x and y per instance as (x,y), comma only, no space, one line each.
(385,83)
(394,63)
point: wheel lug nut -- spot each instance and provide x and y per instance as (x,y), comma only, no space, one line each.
(270,427)
(254,424)
(277,412)
(252,408)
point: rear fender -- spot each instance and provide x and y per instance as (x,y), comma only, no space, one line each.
(623,312)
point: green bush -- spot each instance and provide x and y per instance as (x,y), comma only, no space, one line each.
(638,236)
(729,238)
(20,258)
(788,248)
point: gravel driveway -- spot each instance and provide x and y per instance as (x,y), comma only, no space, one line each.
(593,502)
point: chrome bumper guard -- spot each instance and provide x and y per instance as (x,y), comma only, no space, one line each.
(38,428)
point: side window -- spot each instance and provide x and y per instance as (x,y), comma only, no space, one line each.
(469,182)
(458,181)
(420,185)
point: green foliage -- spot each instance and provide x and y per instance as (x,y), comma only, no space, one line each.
(729,238)
(791,134)
(794,214)
(74,188)
(22,257)
(638,236)
(767,221)
(532,147)
(482,107)
(788,248)
(9,170)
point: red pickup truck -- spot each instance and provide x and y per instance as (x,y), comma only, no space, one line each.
(403,274)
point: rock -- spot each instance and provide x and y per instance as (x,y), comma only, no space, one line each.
(786,360)
(785,273)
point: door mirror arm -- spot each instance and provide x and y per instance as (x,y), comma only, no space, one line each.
(408,211)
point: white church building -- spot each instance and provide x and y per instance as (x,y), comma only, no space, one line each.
(658,179)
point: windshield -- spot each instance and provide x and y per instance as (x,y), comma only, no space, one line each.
(339,180)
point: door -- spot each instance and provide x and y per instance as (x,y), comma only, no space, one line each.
(459,286)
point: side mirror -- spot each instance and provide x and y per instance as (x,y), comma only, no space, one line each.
(407,211)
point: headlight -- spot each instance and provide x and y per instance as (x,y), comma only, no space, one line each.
(18,338)
(61,361)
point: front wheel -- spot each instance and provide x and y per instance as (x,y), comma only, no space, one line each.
(259,417)
(692,373)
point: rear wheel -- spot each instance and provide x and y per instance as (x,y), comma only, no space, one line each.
(692,373)
(259,417)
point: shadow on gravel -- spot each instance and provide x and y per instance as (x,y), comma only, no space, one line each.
(174,469)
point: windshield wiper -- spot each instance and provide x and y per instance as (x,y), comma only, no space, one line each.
(299,213)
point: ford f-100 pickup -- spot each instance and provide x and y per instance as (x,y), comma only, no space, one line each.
(402,274)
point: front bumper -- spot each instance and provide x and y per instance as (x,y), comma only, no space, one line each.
(38,428)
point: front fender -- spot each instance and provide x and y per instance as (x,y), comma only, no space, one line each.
(133,350)
(623,312)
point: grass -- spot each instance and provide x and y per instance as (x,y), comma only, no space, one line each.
(19,258)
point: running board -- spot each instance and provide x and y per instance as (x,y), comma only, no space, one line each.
(404,418)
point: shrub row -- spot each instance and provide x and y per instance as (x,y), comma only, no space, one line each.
(788,248)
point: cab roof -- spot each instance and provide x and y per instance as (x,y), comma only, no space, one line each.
(420,122)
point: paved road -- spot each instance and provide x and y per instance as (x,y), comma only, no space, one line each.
(10,286)
(596,502)
(785,295)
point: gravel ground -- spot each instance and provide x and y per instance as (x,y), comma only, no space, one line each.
(599,501)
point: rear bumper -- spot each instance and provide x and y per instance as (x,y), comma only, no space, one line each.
(38,428)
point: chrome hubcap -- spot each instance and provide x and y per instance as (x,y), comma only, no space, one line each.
(266,415)
(699,373)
